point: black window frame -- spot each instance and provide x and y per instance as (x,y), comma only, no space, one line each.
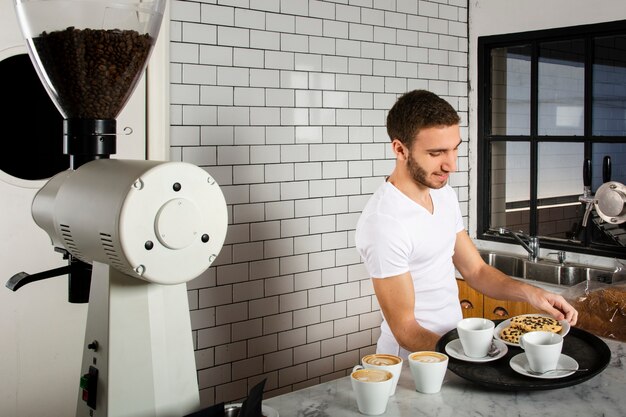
(534,38)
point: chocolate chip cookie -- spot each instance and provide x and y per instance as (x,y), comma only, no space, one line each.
(532,323)
(511,334)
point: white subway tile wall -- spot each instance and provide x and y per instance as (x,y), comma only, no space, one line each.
(284,103)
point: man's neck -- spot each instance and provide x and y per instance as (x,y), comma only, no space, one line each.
(419,193)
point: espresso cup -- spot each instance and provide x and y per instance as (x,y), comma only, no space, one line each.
(428,370)
(476,335)
(543,350)
(391,363)
(371,388)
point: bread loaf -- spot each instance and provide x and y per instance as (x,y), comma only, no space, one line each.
(603,312)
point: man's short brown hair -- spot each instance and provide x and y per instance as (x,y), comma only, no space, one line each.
(417,110)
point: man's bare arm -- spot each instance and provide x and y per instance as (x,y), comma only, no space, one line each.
(495,284)
(397,298)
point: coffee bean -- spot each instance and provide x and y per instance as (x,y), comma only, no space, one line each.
(92,70)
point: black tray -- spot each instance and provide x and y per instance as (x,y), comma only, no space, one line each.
(589,351)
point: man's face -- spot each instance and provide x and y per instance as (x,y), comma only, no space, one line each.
(433,155)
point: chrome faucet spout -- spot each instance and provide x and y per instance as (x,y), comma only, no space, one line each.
(588,200)
(532,247)
(560,256)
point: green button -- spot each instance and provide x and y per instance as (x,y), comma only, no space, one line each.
(83,381)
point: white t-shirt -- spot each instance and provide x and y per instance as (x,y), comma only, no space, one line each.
(394,235)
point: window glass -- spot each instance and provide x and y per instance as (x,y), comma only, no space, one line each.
(560,183)
(561,88)
(560,169)
(609,86)
(510,185)
(510,87)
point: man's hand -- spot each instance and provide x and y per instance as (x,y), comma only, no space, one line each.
(554,304)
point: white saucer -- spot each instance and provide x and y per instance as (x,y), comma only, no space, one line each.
(519,363)
(455,349)
(266,410)
(507,323)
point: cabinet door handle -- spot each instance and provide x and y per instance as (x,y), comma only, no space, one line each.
(466,304)
(500,311)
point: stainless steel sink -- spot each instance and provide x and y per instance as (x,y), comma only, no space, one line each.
(545,270)
(509,264)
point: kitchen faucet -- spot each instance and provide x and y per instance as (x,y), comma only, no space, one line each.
(533,242)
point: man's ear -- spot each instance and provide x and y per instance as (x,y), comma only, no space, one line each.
(401,151)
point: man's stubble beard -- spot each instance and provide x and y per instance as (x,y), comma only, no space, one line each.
(420,176)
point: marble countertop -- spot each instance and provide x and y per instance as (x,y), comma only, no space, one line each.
(602,395)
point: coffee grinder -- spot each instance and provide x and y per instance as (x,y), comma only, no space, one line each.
(133,232)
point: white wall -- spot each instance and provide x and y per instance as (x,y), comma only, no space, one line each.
(284,103)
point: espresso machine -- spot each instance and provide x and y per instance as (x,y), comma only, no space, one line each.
(608,204)
(133,232)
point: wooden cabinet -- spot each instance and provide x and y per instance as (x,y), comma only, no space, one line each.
(470,299)
(475,304)
(498,309)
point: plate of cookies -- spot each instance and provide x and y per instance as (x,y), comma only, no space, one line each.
(511,330)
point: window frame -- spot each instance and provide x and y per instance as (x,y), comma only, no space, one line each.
(484,113)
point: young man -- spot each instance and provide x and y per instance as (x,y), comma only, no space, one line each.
(411,235)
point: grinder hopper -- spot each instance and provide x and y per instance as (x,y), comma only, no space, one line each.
(89,55)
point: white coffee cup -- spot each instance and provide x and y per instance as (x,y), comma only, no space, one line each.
(428,370)
(391,363)
(543,350)
(476,335)
(371,388)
